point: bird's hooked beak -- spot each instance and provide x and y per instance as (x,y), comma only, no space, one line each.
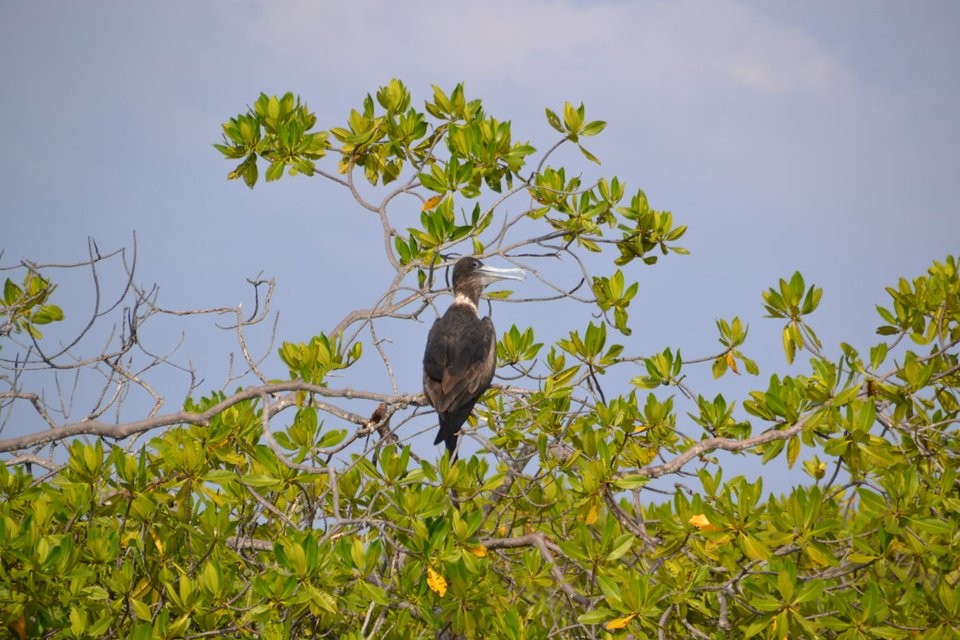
(492,274)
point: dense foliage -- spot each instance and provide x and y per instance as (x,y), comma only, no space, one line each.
(285,508)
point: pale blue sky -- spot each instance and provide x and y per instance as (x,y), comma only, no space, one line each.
(819,136)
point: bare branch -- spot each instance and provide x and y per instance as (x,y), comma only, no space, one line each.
(125,430)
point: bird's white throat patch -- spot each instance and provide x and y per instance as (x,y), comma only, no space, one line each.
(464,300)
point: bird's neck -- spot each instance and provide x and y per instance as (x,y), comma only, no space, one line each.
(466,301)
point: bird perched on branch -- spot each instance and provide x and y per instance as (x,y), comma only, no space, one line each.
(461,353)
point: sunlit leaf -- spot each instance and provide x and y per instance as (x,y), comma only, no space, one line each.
(436,582)
(700,521)
(619,623)
(593,513)
(732,362)
(432,202)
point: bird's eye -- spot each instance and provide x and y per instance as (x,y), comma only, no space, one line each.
(475,264)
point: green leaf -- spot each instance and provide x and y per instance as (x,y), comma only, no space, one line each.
(275,170)
(589,156)
(719,367)
(11,292)
(47,314)
(596,616)
(630,482)
(554,121)
(593,128)
(789,346)
(141,610)
(878,354)
(610,588)
(754,549)
(793,451)
(620,547)
(572,118)
(248,171)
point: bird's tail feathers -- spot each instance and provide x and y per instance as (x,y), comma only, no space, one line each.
(450,425)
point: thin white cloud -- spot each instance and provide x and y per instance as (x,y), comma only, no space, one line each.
(654,48)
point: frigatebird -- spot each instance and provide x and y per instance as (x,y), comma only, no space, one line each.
(461,353)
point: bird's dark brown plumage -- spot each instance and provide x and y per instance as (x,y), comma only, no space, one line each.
(460,358)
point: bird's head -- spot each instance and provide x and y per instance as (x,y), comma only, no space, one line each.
(470,276)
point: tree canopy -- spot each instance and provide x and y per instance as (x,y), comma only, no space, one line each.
(306,507)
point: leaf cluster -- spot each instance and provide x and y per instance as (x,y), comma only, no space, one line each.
(25,306)
(602,500)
